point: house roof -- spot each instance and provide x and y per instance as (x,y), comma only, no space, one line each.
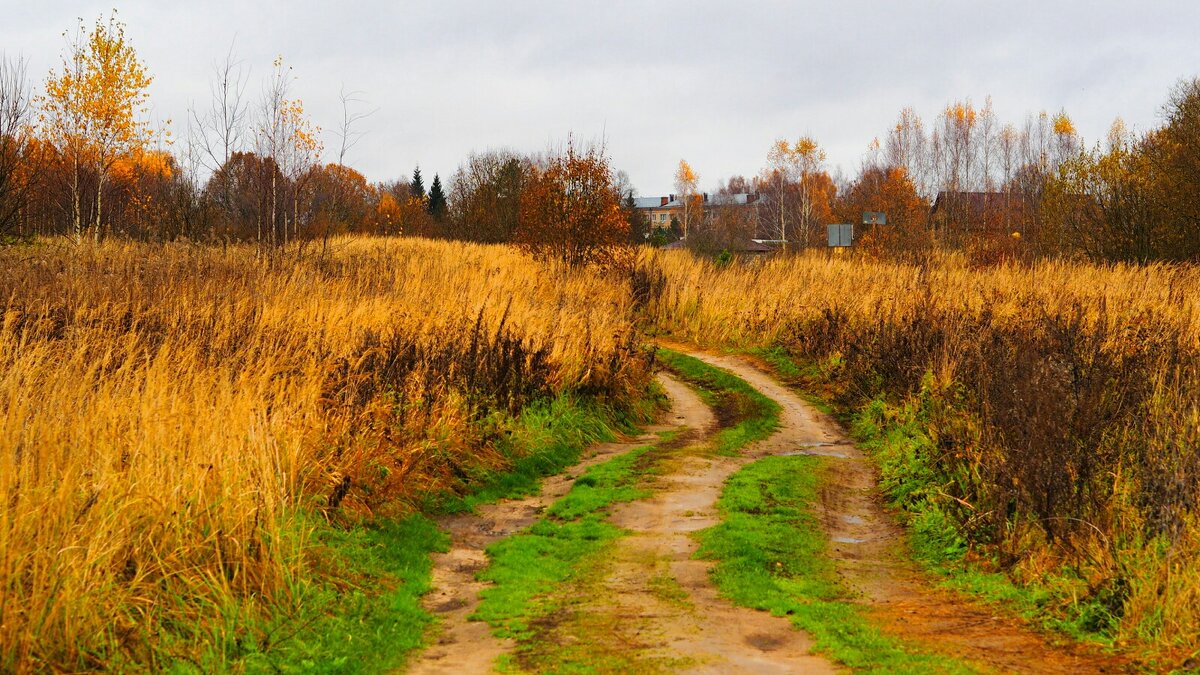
(647,202)
(980,201)
(736,199)
(673,202)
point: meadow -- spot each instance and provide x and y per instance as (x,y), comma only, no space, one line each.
(186,431)
(177,421)
(1034,421)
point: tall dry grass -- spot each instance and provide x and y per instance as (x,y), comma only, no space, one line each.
(1060,401)
(167,413)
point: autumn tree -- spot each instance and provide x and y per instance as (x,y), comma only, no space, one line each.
(798,188)
(400,211)
(93,112)
(729,224)
(686,181)
(338,200)
(888,190)
(1176,155)
(571,209)
(16,177)
(286,136)
(1135,200)
(1101,203)
(242,188)
(485,195)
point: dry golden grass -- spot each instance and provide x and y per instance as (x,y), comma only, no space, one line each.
(754,304)
(167,411)
(1060,400)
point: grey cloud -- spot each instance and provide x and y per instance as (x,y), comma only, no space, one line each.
(714,82)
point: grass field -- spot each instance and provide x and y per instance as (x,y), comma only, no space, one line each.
(203,449)
(1054,402)
(178,424)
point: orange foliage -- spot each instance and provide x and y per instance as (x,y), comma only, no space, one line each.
(890,191)
(571,210)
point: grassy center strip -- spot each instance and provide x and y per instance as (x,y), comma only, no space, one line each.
(542,574)
(744,414)
(772,555)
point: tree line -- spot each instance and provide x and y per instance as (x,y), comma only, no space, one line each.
(80,158)
(969,181)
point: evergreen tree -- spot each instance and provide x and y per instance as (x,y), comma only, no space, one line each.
(417,186)
(437,199)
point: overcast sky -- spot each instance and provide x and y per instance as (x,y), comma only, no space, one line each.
(712,82)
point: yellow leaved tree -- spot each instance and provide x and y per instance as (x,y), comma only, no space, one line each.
(93,113)
(686,180)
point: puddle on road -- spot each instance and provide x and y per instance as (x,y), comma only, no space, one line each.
(847,540)
(820,448)
(853,520)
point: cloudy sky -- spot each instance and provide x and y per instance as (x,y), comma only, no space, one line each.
(712,82)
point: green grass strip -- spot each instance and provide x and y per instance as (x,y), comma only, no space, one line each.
(772,555)
(527,567)
(745,414)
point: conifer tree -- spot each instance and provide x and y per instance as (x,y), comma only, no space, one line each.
(417,186)
(437,199)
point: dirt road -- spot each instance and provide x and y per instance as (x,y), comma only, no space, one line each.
(468,646)
(868,547)
(655,602)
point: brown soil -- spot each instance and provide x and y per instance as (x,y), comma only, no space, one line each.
(468,646)
(868,547)
(648,606)
(652,604)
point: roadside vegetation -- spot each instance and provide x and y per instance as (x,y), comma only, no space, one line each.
(1035,421)
(186,430)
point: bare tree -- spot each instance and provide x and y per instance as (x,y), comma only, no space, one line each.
(286,138)
(348,134)
(15,118)
(220,131)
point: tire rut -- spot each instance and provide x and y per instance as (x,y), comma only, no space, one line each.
(465,646)
(703,633)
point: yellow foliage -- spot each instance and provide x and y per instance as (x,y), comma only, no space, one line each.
(1063,126)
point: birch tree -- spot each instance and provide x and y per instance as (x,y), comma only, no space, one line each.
(93,111)
(686,180)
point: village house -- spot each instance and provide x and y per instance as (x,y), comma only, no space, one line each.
(660,210)
(999,213)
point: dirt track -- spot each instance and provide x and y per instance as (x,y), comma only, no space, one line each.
(868,548)
(469,646)
(697,631)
